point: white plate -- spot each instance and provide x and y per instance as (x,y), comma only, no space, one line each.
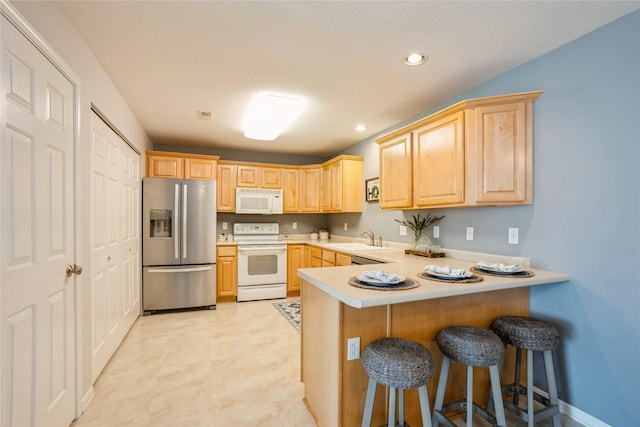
(496,270)
(371,281)
(446,276)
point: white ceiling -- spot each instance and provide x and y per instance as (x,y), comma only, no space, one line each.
(173,59)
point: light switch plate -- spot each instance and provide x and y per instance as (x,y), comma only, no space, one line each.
(403,230)
(513,236)
(436,231)
(469,233)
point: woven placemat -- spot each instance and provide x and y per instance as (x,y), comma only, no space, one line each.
(519,275)
(402,286)
(473,279)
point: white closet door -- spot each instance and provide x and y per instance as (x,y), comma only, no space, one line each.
(115,241)
(37,234)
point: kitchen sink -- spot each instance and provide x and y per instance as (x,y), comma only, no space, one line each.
(356,247)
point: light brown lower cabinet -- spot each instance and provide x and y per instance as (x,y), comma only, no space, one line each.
(227,273)
(295,260)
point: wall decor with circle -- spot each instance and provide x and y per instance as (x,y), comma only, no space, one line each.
(372,189)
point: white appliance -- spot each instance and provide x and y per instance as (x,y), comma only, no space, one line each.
(262,261)
(258,201)
(178,246)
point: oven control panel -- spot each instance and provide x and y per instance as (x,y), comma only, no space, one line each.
(255,228)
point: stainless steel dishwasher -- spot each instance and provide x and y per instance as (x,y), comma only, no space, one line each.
(360,260)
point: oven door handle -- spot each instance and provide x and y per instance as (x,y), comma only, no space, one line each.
(263,249)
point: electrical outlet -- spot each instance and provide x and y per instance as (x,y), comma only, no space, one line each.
(469,233)
(294,225)
(513,236)
(353,348)
(436,231)
(224,226)
(403,230)
(346,227)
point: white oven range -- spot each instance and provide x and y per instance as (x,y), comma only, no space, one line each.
(262,261)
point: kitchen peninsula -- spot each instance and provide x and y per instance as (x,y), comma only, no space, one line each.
(334,311)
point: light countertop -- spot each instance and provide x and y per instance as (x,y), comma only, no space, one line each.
(334,280)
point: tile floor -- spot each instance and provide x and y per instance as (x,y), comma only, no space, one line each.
(238,365)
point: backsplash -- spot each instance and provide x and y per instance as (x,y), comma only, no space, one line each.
(306,223)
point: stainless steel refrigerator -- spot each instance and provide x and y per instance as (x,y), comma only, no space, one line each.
(179,244)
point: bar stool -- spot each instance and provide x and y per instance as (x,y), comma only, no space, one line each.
(532,335)
(471,346)
(399,364)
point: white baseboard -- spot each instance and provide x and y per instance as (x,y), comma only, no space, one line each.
(574,413)
(87,398)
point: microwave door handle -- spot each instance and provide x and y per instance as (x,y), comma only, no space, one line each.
(184,221)
(176,242)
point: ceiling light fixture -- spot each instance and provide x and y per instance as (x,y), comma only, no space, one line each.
(415,59)
(268,115)
(360,128)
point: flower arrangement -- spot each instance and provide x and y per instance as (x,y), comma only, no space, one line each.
(419,225)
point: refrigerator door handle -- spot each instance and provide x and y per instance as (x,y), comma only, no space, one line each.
(184,221)
(180,270)
(176,242)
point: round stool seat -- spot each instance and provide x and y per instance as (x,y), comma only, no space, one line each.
(470,345)
(398,362)
(527,333)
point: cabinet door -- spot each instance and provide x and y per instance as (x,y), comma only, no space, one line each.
(195,168)
(438,162)
(295,260)
(336,187)
(343,259)
(271,177)
(310,186)
(291,181)
(227,273)
(326,188)
(504,164)
(248,176)
(350,185)
(396,176)
(159,166)
(226,188)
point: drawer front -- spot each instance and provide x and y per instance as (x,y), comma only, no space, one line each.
(227,250)
(316,252)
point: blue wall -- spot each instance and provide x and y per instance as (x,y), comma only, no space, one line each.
(584,220)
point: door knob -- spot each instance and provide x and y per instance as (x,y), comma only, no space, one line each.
(73,269)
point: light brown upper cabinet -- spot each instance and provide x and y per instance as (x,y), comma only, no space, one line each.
(342,184)
(478,152)
(438,162)
(259,176)
(271,177)
(310,189)
(226,187)
(163,164)
(291,184)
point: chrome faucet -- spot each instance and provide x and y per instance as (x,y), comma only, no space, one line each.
(370,235)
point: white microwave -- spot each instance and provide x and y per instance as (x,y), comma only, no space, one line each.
(258,201)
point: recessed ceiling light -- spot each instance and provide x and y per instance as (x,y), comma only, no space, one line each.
(268,115)
(415,59)
(360,128)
